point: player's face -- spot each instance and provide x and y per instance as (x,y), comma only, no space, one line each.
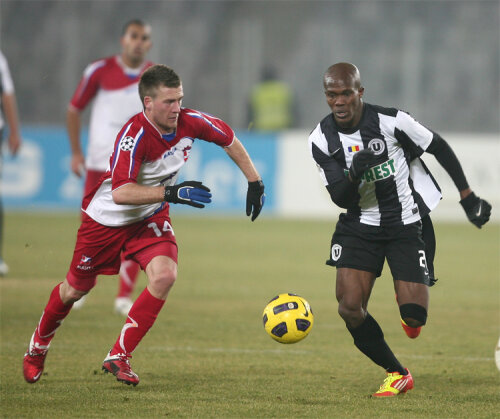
(136,42)
(163,110)
(345,100)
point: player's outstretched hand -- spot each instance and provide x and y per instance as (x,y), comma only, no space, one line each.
(361,161)
(189,193)
(478,210)
(255,198)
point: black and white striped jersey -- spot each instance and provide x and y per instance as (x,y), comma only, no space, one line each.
(399,189)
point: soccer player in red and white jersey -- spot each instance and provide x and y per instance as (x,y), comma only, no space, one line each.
(111,84)
(128,212)
(8,109)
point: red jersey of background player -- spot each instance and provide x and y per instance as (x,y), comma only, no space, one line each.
(113,86)
(143,155)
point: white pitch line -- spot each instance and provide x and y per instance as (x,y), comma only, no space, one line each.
(289,350)
(451,358)
(226,350)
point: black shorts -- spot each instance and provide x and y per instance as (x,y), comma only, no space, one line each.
(364,247)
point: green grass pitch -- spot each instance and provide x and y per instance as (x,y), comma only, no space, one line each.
(208,355)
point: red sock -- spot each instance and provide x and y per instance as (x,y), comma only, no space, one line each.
(411,332)
(141,317)
(52,317)
(129,272)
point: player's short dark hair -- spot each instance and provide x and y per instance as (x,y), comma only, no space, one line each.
(156,76)
(131,22)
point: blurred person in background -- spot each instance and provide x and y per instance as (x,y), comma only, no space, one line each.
(128,213)
(270,106)
(112,85)
(9,114)
(369,159)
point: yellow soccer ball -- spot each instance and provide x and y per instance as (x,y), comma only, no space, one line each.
(288,318)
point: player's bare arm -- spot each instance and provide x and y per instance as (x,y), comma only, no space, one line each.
(10,110)
(191,193)
(73,124)
(134,194)
(239,155)
(255,193)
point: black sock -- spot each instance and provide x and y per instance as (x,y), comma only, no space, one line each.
(369,339)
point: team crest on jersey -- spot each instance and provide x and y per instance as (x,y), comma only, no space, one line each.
(377,146)
(127,143)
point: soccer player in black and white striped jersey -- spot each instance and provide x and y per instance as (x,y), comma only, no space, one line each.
(368,158)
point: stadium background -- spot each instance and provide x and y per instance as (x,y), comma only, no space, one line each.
(430,58)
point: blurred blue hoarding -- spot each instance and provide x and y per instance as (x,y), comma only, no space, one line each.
(39,177)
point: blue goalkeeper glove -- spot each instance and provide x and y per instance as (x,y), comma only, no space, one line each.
(478,210)
(191,193)
(255,198)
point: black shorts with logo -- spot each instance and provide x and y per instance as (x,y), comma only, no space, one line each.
(364,247)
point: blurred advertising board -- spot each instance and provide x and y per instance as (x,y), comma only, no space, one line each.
(39,177)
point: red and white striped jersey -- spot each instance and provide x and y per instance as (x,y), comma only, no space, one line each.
(144,156)
(114,88)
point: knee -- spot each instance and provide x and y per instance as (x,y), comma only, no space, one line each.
(68,294)
(352,314)
(414,315)
(163,280)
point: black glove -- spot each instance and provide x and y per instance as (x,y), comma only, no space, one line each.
(255,198)
(361,161)
(478,210)
(189,193)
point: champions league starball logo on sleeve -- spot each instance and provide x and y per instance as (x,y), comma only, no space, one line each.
(127,143)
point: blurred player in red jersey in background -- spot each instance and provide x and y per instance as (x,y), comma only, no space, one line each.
(8,109)
(112,85)
(128,213)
